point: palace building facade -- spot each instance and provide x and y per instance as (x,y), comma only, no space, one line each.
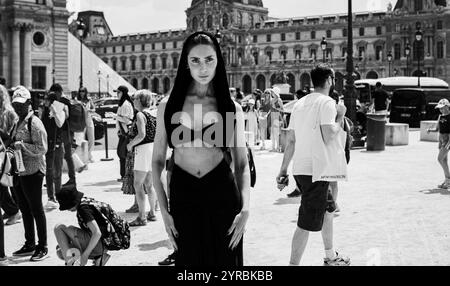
(256,47)
(33,42)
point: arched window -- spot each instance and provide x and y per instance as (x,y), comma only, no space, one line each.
(155,85)
(209,22)
(134,83)
(194,23)
(166,84)
(144,83)
(247,84)
(225,21)
(261,82)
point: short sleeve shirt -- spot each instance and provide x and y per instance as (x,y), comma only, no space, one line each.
(380,97)
(88,214)
(126,110)
(303,119)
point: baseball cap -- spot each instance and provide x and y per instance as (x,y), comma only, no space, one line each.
(20,94)
(122,88)
(251,101)
(443,102)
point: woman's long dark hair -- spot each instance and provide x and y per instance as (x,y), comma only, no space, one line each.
(184,79)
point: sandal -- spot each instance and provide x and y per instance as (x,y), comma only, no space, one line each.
(444,185)
(151,217)
(133,209)
(138,222)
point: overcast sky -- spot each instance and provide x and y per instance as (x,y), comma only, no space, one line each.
(132,16)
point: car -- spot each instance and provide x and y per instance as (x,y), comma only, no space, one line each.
(107,107)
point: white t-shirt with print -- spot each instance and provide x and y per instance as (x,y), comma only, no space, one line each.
(302,122)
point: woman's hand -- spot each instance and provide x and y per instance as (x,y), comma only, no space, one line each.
(170,229)
(129,147)
(238,228)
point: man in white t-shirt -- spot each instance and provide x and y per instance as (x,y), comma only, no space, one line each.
(317,205)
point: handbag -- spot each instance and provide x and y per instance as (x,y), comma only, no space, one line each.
(6,178)
(328,160)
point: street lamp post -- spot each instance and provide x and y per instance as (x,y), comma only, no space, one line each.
(418,44)
(389,58)
(81,28)
(107,84)
(98,74)
(350,90)
(323,45)
(407,53)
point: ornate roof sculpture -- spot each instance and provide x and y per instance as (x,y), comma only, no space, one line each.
(257,3)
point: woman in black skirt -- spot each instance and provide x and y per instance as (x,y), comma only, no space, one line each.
(209,205)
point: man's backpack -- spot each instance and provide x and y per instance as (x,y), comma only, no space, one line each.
(77,119)
(117,233)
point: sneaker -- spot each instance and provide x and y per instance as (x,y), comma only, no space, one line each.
(296,193)
(339,260)
(169,260)
(14,219)
(103,259)
(120,180)
(51,205)
(40,254)
(26,250)
(69,182)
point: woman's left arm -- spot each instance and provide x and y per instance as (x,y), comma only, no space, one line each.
(141,131)
(242,175)
(39,137)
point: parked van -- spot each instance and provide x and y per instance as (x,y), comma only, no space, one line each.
(365,87)
(411,105)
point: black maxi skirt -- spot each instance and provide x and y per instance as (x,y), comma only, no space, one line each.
(203,209)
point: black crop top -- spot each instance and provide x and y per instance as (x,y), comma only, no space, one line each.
(444,124)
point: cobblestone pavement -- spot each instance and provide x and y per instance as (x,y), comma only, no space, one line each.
(391,213)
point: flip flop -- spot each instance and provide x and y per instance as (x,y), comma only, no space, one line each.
(138,222)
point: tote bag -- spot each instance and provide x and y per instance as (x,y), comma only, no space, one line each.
(328,160)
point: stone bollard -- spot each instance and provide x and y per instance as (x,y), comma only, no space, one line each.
(397,134)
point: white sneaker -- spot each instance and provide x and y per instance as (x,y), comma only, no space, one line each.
(51,205)
(4,261)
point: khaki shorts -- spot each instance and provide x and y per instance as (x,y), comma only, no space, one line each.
(81,241)
(443,140)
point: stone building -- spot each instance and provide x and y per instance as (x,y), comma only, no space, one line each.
(256,47)
(33,42)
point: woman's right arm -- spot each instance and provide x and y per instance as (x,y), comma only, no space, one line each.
(158,163)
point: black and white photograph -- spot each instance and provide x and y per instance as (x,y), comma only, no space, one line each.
(224,134)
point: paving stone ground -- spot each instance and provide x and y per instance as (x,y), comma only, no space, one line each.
(391,213)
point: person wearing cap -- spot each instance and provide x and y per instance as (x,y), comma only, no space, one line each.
(124,117)
(66,134)
(443,127)
(87,240)
(30,138)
